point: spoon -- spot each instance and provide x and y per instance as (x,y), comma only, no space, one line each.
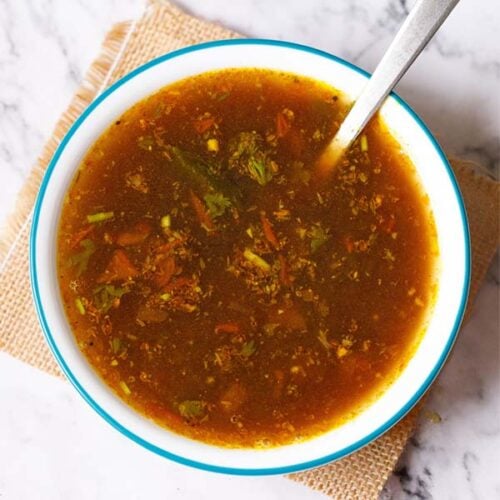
(423,21)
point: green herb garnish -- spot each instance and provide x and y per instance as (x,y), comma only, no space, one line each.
(104,295)
(80,260)
(259,171)
(319,236)
(250,157)
(247,349)
(217,204)
(204,175)
(192,409)
(100,217)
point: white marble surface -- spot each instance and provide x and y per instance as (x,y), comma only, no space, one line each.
(51,444)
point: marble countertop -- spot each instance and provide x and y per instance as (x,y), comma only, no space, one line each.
(52,445)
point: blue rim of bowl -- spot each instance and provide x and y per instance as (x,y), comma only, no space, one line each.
(183,460)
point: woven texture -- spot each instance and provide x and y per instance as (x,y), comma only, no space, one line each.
(164,28)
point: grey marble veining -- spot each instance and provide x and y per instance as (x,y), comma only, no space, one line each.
(52,445)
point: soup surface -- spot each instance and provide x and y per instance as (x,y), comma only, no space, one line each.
(223,291)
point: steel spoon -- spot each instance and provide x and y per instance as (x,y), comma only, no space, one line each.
(419,27)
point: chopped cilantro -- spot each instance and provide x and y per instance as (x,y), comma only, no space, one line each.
(249,157)
(80,260)
(247,349)
(104,295)
(217,204)
(192,409)
(259,171)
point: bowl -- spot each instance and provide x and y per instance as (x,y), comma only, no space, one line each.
(436,178)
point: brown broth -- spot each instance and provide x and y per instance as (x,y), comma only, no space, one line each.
(222,291)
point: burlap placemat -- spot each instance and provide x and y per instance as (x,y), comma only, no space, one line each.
(161,29)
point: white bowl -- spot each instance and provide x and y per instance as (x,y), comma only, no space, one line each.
(436,177)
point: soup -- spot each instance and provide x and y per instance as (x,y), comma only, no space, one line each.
(222,290)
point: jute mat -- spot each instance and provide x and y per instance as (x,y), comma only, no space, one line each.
(161,29)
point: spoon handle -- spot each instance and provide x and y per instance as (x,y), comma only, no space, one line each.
(423,21)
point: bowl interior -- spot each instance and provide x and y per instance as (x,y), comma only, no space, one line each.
(435,176)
